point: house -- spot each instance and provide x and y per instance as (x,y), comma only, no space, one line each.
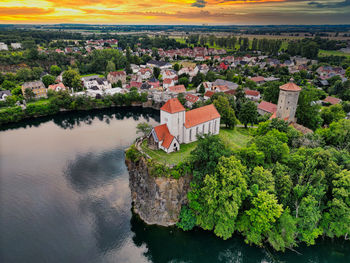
(159,64)
(16,45)
(95,82)
(208,94)
(57,87)
(4,94)
(253,95)
(266,108)
(135,84)
(178,126)
(145,73)
(37,87)
(331,100)
(168,74)
(224,65)
(168,83)
(191,99)
(115,76)
(222,82)
(177,89)
(258,79)
(202,68)
(3,46)
(155,84)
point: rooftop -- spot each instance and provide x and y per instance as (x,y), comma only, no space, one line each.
(173,106)
(200,115)
(290,86)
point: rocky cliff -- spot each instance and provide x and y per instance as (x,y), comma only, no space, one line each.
(157,200)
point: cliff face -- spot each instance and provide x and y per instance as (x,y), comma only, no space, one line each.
(157,200)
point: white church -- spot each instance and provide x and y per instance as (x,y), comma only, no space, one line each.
(178,126)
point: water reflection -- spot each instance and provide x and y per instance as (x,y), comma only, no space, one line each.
(69,120)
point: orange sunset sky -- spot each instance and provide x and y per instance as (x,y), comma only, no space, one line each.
(175,11)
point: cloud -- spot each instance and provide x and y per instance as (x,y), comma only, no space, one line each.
(19,11)
(199,3)
(332,5)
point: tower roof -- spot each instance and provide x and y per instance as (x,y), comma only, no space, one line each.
(173,106)
(290,86)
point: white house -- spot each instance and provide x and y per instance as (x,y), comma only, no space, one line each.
(178,126)
(4,94)
(96,83)
(3,46)
(16,45)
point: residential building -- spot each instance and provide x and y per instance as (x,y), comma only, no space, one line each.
(258,79)
(159,64)
(266,108)
(253,95)
(37,87)
(177,89)
(178,126)
(16,45)
(4,94)
(95,82)
(115,76)
(57,87)
(3,46)
(331,100)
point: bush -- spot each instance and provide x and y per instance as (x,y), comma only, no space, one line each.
(187,219)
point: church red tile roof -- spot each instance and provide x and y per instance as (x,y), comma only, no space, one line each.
(164,135)
(267,106)
(290,87)
(173,106)
(200,115)
(191,98)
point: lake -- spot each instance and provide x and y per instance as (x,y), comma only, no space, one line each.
(65,197)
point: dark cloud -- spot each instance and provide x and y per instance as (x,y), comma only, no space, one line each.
(199,3)
(330,5)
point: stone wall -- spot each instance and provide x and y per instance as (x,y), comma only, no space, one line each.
(157,200)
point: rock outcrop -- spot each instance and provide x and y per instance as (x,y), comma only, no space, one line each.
(157,200)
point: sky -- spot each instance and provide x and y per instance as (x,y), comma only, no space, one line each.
(212,12)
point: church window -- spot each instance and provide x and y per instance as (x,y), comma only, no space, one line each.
(196,130)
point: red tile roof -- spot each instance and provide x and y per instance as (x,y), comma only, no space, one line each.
(290,87)
(117,73)
(191,98)
(173,106)
(258,79)
(332,100)
(177,89)
(167,81)
(164,135)
(230,92)
(252,92)
(209,93)
(200,115)
(54,86)
(267,106)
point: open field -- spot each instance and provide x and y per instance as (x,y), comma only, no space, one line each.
(324,53)
(234,139)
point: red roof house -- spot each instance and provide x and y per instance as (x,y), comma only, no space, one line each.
(266,107)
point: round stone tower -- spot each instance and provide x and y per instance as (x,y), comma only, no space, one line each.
(288,102)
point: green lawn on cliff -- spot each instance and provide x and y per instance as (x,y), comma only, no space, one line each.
(236,138)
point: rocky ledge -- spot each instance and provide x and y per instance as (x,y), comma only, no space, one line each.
(157,200)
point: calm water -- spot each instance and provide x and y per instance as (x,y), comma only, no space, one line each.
(64,197)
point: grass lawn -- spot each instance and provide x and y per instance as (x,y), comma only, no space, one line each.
(39,102)
(324,53)
(234,139)
(88,75)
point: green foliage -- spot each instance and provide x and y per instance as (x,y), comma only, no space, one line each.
(55,70)
(12,114)
(337,135)
(184,81)
(257,221)
(248,113)
(71,79)
(332,113)
(143,128)
(263,179)
(187,219)
(133,154)
(227,113)
(221,197)
(156,72)
(48,80)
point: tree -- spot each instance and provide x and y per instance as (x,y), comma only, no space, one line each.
(181,98)
(176,67)
(36,73)
(337,135)
(24,74)
(29,94)
(48,80)
(184,81)
(271,92)
(187,219)
(257,221)
(248,113)
(119,84)
(8,85)
(144,128)
(156,72)
(128,69)
(70,79)
(221,197)
(198,79)
(263,178)
(227,113)
(338,217)
(273,145)
(55,70)
(332,113)
(347,73)
(201,89)
(110,66)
